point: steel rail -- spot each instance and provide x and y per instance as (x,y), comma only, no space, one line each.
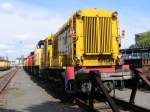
(124,105)
(97,82)
(84,106)
(129,106)
(5,79)
(115,103)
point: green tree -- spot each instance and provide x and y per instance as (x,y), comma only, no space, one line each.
(144,39)
(132,46)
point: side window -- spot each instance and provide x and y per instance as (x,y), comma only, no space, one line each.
(42,45)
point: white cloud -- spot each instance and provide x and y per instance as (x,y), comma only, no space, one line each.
(7,6)
(3,46)
(21,29)
(6,46)
(25,27)
(23,37)
(10,51)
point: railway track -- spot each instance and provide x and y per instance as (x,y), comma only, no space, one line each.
(6,78)
(129,106)
(123,106)
(113,104)
(98,107)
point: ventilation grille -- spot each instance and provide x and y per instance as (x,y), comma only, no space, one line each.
(97,32)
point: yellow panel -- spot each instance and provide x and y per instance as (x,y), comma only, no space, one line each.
(96,33)
(38,57)
(100,31)
(97,39)
(48,51)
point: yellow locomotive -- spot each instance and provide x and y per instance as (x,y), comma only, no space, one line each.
(4,64)
(25,63)
(89,38)
(88,41)
(37,60)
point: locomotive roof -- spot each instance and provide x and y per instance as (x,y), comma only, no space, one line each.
(86,12)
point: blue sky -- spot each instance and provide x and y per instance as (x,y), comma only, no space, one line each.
(24,22)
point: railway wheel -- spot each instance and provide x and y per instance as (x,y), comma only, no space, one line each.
(59,83)
(108,85)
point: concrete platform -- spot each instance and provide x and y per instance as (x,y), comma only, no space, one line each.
(25,95)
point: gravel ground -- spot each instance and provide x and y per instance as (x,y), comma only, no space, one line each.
(4,72)
(24,95)
(142,97)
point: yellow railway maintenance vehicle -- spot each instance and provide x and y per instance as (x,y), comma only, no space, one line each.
(25,63)
(90,38)
(4,64)
(48,52)
(38,58)
(89,41)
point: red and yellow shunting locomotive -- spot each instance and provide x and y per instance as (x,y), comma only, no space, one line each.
(88,41)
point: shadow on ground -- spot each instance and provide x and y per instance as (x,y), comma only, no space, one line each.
(52,91)
(8,110)
(47,86)
(51,107)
